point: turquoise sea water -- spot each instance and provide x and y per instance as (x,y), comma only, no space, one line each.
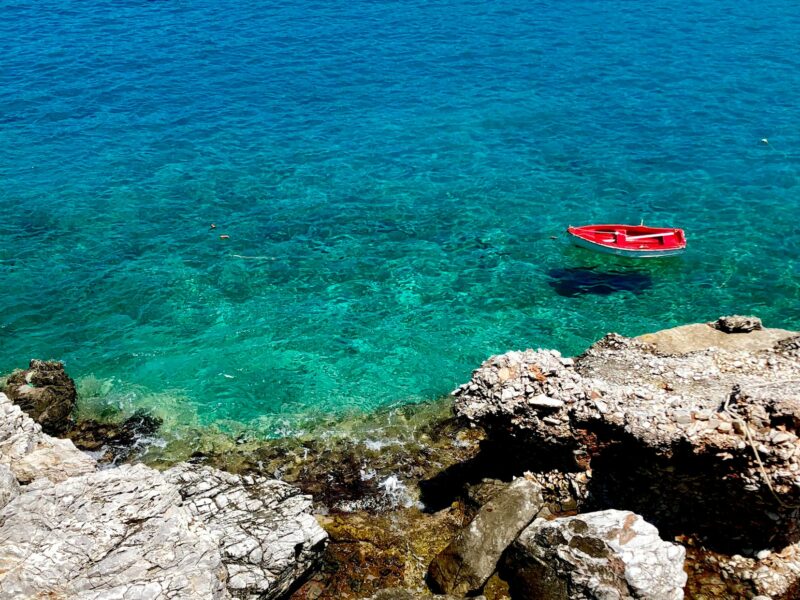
(392,175)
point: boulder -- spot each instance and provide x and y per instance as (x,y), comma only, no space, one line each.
(700,442)
(120,533)
(265,530)
(29,453)
(608,554)
(465,565)
(738,324)
(46,393)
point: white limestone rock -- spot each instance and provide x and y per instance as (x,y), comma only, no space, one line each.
(9,488)
(265,529)
(29,453)
(607,554)
(120,533)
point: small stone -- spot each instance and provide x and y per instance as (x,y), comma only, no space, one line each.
(507,394)
(738,324)
(543,401)
(724,427)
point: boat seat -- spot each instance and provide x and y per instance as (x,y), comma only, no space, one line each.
(633,238)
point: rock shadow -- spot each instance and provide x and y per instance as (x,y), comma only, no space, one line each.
(494,460)
(690,494)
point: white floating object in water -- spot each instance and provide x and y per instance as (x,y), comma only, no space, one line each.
(764,141)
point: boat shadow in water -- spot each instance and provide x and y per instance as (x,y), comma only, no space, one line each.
(577,281)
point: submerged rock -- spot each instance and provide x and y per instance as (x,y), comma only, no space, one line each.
(471,558)
(115,442)
(46,393)
(401,594)
(609,554)
(30,454)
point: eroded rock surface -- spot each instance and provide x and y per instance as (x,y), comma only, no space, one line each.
(774,575)
(133,532)
(112,534)
(608,554)
(45,392)
(674,436)
(266,532)
(29,453)
(9,487)
(471,558)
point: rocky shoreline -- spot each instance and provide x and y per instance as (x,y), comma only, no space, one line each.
(664,466)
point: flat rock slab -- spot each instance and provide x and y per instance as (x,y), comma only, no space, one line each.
(466,564)
(602,555)
(700,336)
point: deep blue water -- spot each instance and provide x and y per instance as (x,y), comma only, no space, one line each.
(391,176)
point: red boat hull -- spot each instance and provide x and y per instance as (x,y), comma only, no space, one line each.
(638,241)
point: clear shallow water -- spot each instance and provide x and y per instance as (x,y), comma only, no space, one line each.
(391,176)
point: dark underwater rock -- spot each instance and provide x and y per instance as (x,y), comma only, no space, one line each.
(576,281)
(117,441)
(46,393)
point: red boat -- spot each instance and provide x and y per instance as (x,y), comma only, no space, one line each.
(638,241)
